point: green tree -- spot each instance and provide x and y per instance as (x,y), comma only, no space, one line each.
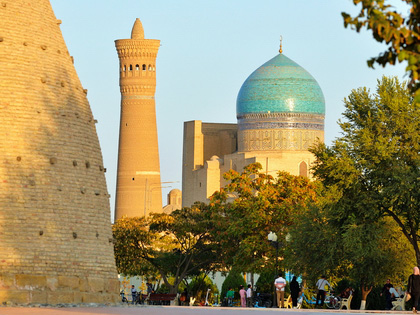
(371,176)
(250,206)
(199,286)
(326,241)
(177,245)
(265,282)
(377,160)
(400,32)
(233,280)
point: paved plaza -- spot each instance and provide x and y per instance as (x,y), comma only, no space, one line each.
(173,310)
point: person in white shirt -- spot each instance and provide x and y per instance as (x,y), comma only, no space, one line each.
(394,293)
(249,296)
(280,284)
(320,285)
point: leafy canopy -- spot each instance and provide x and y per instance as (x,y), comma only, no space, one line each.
(250,206)
(400,32)
(176,245)
(375,166)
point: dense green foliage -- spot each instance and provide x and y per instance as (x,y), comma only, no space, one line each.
(265,282)
(260,204)
(199,285)
(177,245)
(400,32)
(233,280)
(375,166)
(370,177)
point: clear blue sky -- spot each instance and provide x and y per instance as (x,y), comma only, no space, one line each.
(208,49)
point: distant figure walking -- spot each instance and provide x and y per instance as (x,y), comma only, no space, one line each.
(133,294)
(294,291)
(413,288)
(320,285)
(387,294)
(242,294)
(249,296)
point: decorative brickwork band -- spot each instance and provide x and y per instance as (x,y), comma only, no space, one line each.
(281,125)
(279,131)
(269,139)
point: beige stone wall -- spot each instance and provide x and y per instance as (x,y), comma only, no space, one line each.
(209,153)
(202,141)
(138,176)
(55,232)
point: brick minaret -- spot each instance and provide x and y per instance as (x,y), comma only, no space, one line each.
(138,178)
(56,241)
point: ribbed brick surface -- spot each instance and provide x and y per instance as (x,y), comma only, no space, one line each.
(138,179)
(54,203)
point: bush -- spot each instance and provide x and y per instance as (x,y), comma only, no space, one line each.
(265,283)
(234,280)
(198,288)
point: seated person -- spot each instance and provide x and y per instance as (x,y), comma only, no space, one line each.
(394,293)
(346,293)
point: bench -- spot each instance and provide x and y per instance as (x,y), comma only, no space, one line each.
(399,303)
(159,298)
(346,302)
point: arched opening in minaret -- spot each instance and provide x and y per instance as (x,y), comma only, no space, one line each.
(131,67)
(303,169)
(144,67)
(137,67)
(125,68)
(150,67)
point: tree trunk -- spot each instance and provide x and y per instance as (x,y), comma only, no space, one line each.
(416,248)
(365,292)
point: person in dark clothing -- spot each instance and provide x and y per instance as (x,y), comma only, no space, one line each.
(294,291)
(133,295)
(184,298)
(387,294)
(413,288)
(149,288)
(346,293)
(320,285)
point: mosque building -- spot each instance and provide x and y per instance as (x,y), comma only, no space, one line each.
(280,113)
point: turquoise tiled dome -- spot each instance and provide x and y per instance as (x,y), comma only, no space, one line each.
(280,85)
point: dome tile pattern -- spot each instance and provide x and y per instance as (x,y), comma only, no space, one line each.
(280,86)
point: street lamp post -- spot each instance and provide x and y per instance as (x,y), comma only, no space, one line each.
(272,238)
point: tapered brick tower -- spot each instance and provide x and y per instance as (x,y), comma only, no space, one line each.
(55,225)
(138,178)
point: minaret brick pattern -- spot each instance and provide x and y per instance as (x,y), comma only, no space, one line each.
(55,230)
(138,177)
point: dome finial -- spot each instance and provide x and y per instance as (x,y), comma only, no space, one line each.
(137,31)
(281,40)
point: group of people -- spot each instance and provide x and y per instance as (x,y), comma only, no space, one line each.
(322,285)
(136,296)
(413,291)
(280,284)
(245,296)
